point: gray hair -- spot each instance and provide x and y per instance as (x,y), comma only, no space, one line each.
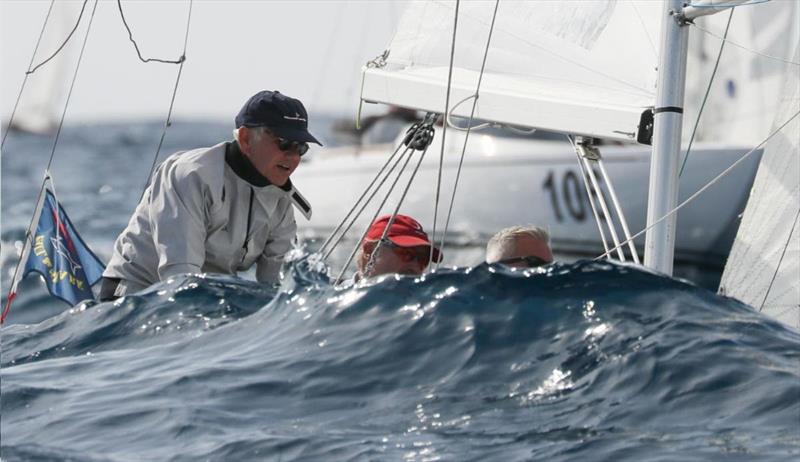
(255,132)
(501,243)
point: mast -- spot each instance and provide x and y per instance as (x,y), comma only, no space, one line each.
(663,194)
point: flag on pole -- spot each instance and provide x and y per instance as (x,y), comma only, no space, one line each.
(56,251)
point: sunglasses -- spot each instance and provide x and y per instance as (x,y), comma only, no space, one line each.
(530,262)
(409,254)
(289,146)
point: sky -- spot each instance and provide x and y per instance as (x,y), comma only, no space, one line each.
(311,50)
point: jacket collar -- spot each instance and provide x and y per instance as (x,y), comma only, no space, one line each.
(245,170)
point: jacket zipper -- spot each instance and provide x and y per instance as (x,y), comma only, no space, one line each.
(247,231)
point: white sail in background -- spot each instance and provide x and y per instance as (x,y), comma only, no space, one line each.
(745,93)
(43,96)
(585,67)
(763,269)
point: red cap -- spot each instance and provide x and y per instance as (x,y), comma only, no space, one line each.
(404,232)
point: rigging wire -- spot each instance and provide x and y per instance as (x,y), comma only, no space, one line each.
(322,249)
(52,153)
(28,242)
(386,198)
(589,194)
(322,76)
(705,98)
(780,261)
(444,131)
(645,30)
(384,239)
(466,136)
(63,44)
(25,79)
(704,188)
(756,52)
(407,154)
(723,5)
(168,122)
(136,45)
(71,87)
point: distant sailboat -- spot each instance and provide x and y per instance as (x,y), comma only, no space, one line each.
(44,91)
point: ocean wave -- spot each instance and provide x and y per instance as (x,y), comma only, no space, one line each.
(584,361)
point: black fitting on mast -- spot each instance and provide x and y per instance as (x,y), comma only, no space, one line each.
(420,135)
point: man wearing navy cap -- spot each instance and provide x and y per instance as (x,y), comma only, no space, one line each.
(220,209)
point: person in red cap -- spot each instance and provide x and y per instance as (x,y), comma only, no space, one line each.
(405,250)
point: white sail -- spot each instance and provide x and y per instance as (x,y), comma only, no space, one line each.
(44,93)
(586,67)
(763,269)
(745,93)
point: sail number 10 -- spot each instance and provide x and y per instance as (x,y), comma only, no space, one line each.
(568,193)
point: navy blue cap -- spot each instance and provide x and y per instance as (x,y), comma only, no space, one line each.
(284,116)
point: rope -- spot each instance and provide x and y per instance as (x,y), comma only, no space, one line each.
(422,131)
(63,44)
(49,178)
(28,242)
(52,153)
(168,122)
(25,80)
(136,46)
(776,58)
(364,234)
(644,28)
(703,189)
(383,238)
(71,87)
(58,133)
(705,98)
(775,275)
(723,5)
(366,190)
(466,137)
(444,130)
(469,127)
(324,70)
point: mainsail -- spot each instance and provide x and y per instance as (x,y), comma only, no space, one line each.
(763,269)
(583,67)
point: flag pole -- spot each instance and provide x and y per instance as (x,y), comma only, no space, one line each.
(26,248)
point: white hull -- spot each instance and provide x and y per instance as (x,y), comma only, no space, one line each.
(507,181)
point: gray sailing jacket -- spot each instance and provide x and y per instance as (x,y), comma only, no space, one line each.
(198,215)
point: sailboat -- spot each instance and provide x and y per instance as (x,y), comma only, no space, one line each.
(589,361)
(45,89)
(598,70)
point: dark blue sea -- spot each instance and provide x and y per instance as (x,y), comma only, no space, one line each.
(582,361)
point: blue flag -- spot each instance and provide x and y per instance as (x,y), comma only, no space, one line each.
(59,254)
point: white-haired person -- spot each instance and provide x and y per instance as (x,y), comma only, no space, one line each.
(520,247)
(219,209)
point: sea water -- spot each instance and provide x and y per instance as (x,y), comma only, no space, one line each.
(576,361)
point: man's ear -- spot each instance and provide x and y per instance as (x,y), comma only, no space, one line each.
(244,139)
